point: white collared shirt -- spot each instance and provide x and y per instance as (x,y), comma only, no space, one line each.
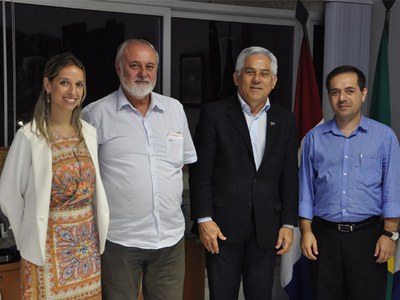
(141,160)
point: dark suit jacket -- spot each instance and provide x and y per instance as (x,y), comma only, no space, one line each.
(224,182)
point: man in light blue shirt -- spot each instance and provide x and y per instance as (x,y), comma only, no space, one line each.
(144,141)
(349,204)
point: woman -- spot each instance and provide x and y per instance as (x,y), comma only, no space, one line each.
(52,194)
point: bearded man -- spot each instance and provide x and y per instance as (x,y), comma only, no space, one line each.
(144,141)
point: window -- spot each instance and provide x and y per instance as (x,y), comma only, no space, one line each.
(93,36)
(219,43)
(198,44)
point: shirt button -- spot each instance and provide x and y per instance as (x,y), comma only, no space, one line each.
(346,156)
(344,192)
(345,174)
(250,204)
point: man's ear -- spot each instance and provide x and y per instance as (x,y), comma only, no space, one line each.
(117,66)
(275,80)
(364,93)
(236,78)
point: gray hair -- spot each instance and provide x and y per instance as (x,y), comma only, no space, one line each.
(121,48)
(256,50)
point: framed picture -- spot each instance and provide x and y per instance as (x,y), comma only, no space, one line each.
(191,78)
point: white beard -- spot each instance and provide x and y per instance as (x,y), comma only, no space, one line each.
(139,91)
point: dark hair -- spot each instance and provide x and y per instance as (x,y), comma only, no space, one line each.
(41,113)
(346,69)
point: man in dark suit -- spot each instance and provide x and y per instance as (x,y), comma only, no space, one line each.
(244,186)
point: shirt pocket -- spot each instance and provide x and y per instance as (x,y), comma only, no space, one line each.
(175,148)
(369,171)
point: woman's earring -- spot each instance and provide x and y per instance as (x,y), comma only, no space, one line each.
(48,98)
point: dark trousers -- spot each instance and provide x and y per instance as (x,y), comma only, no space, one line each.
(345,268)
(236,260)
(162,272)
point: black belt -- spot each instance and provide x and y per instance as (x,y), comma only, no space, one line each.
(348,226)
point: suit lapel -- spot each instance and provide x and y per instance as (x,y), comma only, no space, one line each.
(272,127)
(238,120)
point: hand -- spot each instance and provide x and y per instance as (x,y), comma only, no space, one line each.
(385,248)
(308,241)
(209,233)
(309,246)
(285,240)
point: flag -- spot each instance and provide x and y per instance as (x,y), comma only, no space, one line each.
(394,275)
(307,105)
(294,271)
(393,284)
(308,112)
(380,100)
(380,111)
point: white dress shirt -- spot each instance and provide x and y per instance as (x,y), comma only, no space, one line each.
(141,160)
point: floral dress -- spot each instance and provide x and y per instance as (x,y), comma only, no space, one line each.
(72,263)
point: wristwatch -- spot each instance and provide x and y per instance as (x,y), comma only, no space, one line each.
(392,234)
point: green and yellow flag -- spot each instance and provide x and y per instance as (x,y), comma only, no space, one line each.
(380,100)
(380,111)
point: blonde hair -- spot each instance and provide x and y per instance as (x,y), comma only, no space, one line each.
(41,113)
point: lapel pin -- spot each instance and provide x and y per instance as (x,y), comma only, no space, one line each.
(271,123)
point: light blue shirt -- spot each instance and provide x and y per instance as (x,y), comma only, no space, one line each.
(257,129)
(348,179)
(141,160)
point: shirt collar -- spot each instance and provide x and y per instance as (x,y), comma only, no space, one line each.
(363,123)
(123,102)
(246,107)
(332,126)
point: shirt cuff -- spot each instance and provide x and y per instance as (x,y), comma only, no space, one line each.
(288,226)
(202,220)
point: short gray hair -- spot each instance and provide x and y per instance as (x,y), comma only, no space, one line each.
(256,50)
(121,48)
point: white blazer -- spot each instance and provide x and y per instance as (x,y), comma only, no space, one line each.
(25,187)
